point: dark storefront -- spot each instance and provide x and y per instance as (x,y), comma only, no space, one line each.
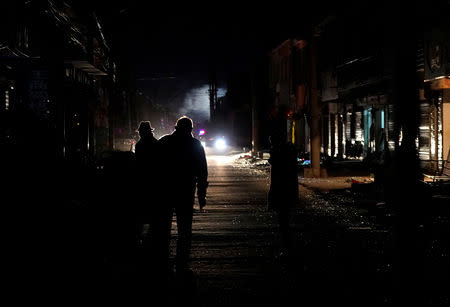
(434,129)
(56,80)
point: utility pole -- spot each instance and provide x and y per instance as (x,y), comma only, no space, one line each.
(316,127)
(315,111)
(212,92)
(255,117)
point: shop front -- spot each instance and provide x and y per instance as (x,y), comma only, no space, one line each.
(434,129)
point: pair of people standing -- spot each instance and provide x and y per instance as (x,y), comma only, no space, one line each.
(170,171)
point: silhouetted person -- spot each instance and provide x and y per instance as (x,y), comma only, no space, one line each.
(146,153)
(185,172)
(149,208)
(283,192)
(145,149)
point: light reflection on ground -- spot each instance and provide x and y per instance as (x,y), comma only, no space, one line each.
(222,159)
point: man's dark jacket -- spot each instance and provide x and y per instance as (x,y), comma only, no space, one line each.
(184,167)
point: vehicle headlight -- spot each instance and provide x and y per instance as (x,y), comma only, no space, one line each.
(220,144)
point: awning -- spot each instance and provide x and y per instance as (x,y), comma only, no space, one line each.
(87,68)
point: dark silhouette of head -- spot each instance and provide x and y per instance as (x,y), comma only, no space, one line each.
(184,125)
(145,128)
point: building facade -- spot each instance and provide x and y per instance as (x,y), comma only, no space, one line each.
(434,69)
(57,80)
(380,79)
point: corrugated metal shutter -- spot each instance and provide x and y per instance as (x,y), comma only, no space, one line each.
(436,150)
(359,129)
(424,133)
(348,126)
(334,134)
(390,126)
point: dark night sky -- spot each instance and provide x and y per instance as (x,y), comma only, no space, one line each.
(185,39)
(182,37)
(181,40)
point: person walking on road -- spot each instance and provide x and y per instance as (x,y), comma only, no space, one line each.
(283,191)
(149,210)
(146,148)
(146,155)
(185,171)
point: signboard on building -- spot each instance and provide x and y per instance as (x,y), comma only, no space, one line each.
(437,54)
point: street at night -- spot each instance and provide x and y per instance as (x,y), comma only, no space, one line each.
(222,154)
(342,253)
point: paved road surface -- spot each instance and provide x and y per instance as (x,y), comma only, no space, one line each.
(236,247)
(235,241)
(339,257)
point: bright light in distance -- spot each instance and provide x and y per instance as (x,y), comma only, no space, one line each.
(203,144)
(220,144)
(201,132)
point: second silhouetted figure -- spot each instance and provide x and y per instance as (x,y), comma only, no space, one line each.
(149,211)
(185,172)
